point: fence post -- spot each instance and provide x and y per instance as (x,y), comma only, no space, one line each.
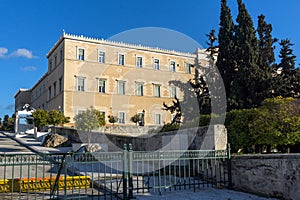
(125,170)
(229,166)
(130,184)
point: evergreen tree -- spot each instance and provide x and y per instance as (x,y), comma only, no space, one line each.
(265,43)
(212,49)
(225,60)
(217,94)
(286,79)
(200,88)
(247,79)
(296,83)
(266,57)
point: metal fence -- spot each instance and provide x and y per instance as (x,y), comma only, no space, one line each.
(111,175)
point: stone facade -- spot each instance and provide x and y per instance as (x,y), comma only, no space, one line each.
(114,77)
(268,175)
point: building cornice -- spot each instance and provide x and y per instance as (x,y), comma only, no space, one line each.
(121,44)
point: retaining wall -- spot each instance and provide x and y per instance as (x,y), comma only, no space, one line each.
(207,138)
(271,175)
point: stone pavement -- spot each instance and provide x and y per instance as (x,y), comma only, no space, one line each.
(28,141)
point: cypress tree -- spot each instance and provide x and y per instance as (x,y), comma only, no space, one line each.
(225,60)
(266,57)
(265,43)
(247,79)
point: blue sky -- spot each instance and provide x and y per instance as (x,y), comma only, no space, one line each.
(30,28)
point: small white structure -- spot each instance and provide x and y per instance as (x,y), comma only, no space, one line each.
(24,120)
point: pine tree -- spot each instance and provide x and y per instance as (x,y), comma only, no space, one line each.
(286,79)
(247,79)
(225,60)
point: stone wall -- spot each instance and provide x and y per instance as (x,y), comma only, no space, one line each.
(145,139)
(269,175)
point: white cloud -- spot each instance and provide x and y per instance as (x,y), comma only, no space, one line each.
(3,52)
(29,69)
(17,53)
(22,53)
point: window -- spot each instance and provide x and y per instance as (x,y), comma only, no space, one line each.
(156,64)
(80,83)
(61,57)
(156,89)
(121,59)
(121,87)
(101,56)
(121,117)
(188,68)
(101,85)
(55,60)
(139,89)
(54,89)
(172,66)
(50,65)
(60,84)
(157,118)
(102,114)
(80,54)
(173,93)
(139,61)
(49,92)
(80,111)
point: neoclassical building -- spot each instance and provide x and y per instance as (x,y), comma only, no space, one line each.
(115,78)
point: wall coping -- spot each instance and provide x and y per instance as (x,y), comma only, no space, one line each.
(267,156)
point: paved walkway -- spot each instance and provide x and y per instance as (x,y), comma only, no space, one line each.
(32,144)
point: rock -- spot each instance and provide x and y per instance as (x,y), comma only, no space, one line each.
(56,140)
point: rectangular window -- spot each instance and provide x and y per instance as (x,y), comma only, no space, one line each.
(156,89)
(80,111)
(80,54)
(101,85)
(55,61)
(172,66)
(80,83)
(50,65)
(101,56)
(139,61)
(139,89)
(61,55)
(173,93)
(156,64)
(121,117)
(157,118)
(188,68)
(49,93)
(121,87)
(121,59)
(54,89)
(60,84)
